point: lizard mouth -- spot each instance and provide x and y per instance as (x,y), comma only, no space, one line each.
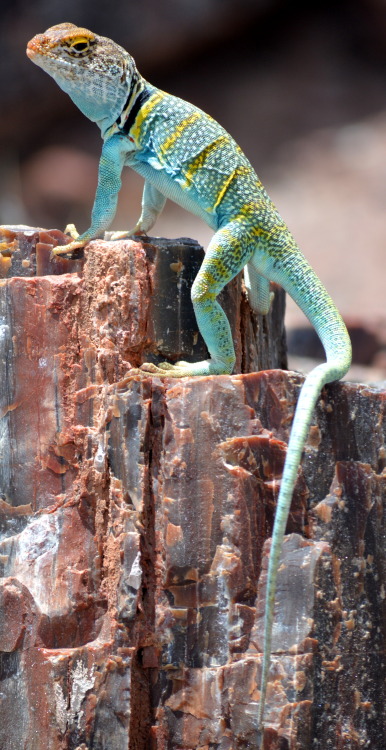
(31,51)
(35,54)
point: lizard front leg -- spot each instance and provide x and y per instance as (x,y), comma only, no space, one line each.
(153,202)
(106,197)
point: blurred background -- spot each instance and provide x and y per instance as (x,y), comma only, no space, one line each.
(300,85)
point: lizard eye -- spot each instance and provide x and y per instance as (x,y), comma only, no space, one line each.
(79,46)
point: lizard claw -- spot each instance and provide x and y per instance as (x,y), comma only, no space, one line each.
(150,367)
(136,372)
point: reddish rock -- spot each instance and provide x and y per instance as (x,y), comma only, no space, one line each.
(133,521)
(26,251)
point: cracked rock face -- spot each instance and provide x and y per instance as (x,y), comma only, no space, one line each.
(134,516)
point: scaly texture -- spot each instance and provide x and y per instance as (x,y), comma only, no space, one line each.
(185,155)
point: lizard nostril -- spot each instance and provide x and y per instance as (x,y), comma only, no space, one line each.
(32,47)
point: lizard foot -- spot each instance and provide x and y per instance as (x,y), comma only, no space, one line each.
(185,369)
(74,245)
(64,249)
(130,232)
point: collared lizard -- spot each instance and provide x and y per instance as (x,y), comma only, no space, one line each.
(185,155)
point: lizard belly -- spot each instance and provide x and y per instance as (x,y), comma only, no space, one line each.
(170,187)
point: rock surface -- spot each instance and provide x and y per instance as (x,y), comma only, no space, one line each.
(135,513)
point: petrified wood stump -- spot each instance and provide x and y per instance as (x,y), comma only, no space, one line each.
(134,515)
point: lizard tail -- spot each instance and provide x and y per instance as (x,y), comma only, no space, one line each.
(300,281)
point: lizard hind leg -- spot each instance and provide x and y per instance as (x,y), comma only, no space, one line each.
(227,254)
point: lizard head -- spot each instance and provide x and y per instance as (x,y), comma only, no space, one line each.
(93,70)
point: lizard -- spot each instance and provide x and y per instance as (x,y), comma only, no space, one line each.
(185,155)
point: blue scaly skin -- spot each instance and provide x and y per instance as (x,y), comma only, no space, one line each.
(185,155)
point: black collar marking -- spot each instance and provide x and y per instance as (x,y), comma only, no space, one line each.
(133,84)
(142,97)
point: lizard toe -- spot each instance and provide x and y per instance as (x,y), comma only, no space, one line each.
(72,231)
(65,249)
